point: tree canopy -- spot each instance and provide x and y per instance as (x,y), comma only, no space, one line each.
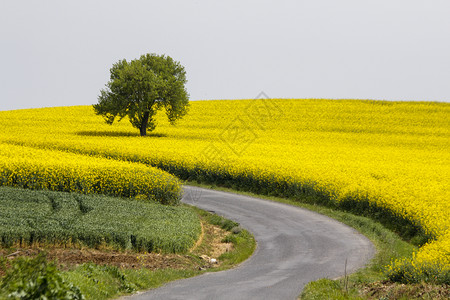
(141,87)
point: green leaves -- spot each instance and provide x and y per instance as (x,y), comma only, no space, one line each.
(36,279)
(141,87)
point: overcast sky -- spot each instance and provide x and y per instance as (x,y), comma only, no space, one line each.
(58,53)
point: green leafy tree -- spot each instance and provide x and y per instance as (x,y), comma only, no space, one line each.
(141,87)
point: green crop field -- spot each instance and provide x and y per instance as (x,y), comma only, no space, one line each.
(57,218)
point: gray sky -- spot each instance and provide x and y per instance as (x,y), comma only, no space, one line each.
(58,53)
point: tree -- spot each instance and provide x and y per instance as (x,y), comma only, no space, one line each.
(141,87)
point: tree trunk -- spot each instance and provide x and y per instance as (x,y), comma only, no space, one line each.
(144,124)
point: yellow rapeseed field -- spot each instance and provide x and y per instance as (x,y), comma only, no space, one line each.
(394,155)
(55,170)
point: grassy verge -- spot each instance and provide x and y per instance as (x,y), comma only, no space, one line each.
(369,282)
(243,242)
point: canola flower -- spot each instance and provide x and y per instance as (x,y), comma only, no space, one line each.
(61,171)
(393,155)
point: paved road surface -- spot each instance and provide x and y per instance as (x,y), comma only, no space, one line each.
(295,246)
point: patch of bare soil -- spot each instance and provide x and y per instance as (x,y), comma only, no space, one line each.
(72,257)
(389,290)
(209,246)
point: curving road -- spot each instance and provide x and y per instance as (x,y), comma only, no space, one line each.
(295,246)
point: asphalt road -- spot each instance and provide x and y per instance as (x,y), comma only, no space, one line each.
(294,247)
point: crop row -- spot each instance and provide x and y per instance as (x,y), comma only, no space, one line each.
(70,219)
